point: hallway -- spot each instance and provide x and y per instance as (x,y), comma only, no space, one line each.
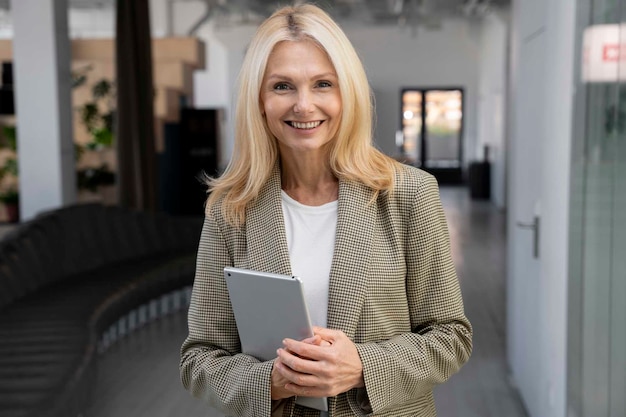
(139,375)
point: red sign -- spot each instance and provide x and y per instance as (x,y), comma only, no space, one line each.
(611,52)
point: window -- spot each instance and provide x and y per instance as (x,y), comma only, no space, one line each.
(431,130)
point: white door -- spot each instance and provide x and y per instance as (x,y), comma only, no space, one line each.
(539,155)
(530,344)
(524,336)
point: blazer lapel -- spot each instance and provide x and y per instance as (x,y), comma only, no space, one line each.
(350,265)
(266,238)
(266,241)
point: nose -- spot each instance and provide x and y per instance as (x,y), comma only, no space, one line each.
(304,102)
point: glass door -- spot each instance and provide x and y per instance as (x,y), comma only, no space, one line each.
(597,359)
(432,131)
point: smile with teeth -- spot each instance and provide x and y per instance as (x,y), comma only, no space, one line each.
(305,125)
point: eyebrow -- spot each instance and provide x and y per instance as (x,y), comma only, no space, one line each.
(287,78)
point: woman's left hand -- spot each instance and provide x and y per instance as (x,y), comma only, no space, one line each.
(323,370)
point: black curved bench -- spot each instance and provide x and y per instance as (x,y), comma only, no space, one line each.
(71,280)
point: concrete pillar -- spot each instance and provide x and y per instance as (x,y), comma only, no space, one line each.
(43,105)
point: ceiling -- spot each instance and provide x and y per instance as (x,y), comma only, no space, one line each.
(378,12)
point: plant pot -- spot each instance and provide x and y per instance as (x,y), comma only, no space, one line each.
(13,212)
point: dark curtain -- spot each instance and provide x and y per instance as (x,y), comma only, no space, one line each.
(135,112)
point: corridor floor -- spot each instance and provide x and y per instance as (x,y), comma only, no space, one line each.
(138,376)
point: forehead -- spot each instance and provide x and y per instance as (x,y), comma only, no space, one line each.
(298,53)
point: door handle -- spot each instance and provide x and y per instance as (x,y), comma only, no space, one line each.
(535,227)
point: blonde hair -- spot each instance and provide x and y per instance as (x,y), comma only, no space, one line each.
(352,156)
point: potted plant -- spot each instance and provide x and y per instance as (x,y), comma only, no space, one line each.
(9,195)
(11,200)
(96,115)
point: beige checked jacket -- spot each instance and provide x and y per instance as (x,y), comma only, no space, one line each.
(393,291)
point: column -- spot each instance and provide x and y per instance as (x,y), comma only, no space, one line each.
(41,59)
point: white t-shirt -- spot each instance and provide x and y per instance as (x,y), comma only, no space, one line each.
(311,243)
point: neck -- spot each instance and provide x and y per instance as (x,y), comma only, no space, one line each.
(309,181)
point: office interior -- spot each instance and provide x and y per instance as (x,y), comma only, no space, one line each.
(517,107)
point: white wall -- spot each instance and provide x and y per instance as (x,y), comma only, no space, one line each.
(212,87)
(234,44)
(492,100)
(394,59)
(43,106)
(91,23)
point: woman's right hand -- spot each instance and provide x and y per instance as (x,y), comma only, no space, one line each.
(278,389)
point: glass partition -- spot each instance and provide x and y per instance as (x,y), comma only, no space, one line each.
(597,301)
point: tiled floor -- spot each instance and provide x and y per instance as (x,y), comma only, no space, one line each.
(139,375)
(482,387)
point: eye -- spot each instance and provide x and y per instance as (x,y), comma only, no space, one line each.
(324,84)
(281,86)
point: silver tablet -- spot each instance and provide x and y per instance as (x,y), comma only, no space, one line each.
(269,308)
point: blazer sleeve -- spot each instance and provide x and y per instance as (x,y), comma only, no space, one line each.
(408,366)
(212,366)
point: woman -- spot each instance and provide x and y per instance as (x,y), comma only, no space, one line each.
(306,193)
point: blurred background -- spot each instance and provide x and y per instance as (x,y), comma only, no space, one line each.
(110,111)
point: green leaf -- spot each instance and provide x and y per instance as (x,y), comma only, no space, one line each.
(101,89)
(89,114)
(79,150)
(78,80)
(10,196)
(10,134)
(107,120)
(103,137)
(79,77)
(10,166)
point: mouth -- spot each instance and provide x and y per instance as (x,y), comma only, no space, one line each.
(305,125)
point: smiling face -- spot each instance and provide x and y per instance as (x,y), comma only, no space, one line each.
(300,97)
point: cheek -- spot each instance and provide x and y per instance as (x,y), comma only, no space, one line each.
(336,111)
(336,106)
(272,118)
(271,110)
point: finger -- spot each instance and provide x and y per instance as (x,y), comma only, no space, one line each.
(294,377)
(278,382)
(328,334)
(306,350)
(305,391)
(313,340)
(296,362)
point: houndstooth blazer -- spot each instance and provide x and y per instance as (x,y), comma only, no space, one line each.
(393,291)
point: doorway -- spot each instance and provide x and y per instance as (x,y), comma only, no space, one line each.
(432,130)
